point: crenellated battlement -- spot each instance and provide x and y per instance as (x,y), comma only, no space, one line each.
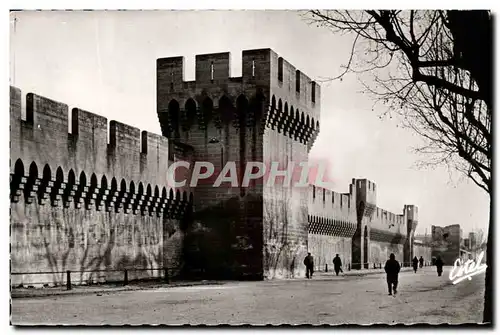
(326,205)
(43,138)
(381,222)
(271,93)
(366,195)
(330,203)
(106,184)
(374,233)
(80,166)
(388,218)
(331,213)
(260,67)
(385,226)
(81,202)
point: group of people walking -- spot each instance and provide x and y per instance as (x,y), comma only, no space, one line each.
(416,262)
(420,262)
(392,268)
(309,263)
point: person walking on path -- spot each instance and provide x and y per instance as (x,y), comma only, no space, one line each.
(439,265)
(415,264)
(392,268)
(421,261)
(337,265)
(309,263)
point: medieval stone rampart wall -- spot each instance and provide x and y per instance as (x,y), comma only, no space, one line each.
(81,203)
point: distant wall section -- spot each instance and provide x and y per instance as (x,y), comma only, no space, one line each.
(332,223)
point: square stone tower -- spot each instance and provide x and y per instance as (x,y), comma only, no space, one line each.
(366,203)
(411,218)
(269,114)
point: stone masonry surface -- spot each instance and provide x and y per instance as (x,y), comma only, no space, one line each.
(84,203)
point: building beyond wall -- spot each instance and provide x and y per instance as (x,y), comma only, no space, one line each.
(446,242)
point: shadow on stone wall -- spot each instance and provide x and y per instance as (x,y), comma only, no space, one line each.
(224,241)
(56,243)
(100,262)
(283,253)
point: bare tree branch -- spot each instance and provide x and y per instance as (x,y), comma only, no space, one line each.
(432,85)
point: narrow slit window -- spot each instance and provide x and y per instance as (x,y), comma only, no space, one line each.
(297,81)
(314,192)
(313,92)
(212,71)
(253,68)
(144,142)
(280,69)
(324,195)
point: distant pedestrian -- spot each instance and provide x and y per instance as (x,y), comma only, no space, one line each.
(439,265)
(392,268)
(415,264)
(421,261)
(309,263)
(337,264)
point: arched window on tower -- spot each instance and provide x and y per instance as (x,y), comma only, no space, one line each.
(226,109)
(242,110)
(190,114)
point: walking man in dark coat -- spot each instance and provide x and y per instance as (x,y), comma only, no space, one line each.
(392,268)
(337,264)
(309,263)
(421,261)
(415,264)
(439,265)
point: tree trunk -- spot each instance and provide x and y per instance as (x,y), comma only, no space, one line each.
(488,292)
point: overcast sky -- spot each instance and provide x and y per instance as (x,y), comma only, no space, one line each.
(104,62)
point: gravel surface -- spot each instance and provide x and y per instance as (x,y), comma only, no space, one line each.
(422,298)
